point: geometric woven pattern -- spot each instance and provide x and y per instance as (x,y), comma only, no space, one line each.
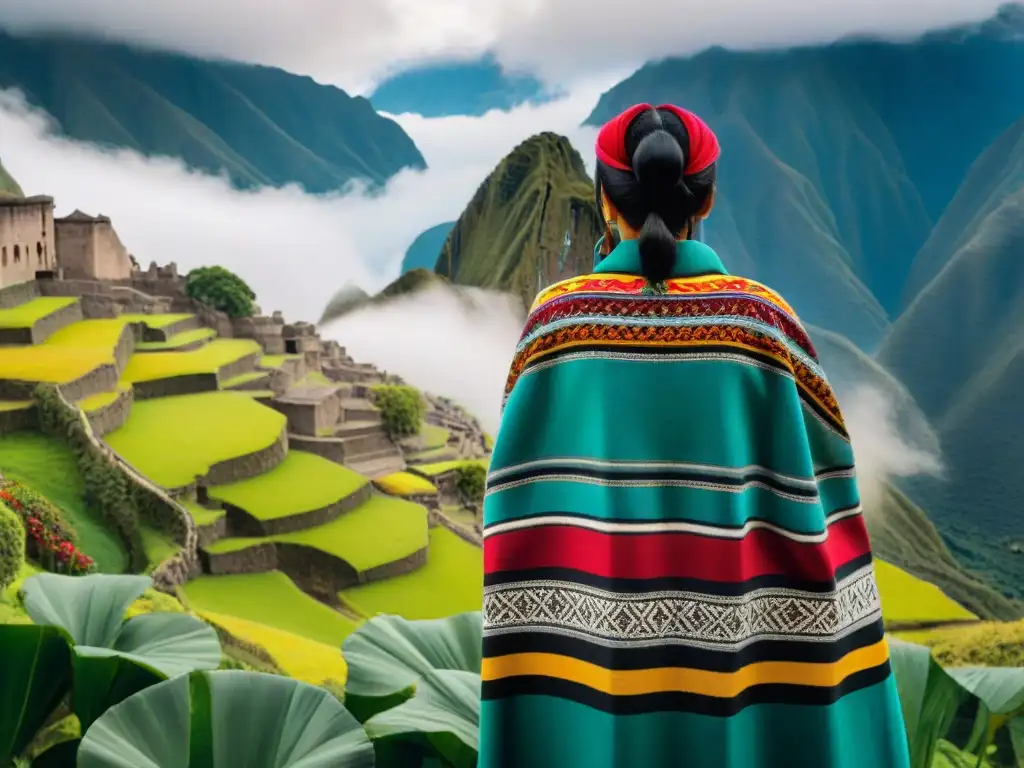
(674,617)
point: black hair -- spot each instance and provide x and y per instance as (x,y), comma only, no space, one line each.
(655,197)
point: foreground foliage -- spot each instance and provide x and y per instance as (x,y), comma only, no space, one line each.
(12,546)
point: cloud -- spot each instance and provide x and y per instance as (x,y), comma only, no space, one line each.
(294,249)
(438,344)
(352,42)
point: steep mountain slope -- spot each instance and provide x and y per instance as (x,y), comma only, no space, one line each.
(262,126)
(8,186)
(838,159)
(456,88)
(423,252)
(959,348)
(351,297)
(531,222)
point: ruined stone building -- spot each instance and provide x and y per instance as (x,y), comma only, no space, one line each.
(88,248)
(27,242)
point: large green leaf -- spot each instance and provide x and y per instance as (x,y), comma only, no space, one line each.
(90,608)
(443,717)
(36,675)
(114,658)
(388,654)
(929,698)
(1001,689)
(227,719)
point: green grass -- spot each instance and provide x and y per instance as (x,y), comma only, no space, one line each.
(382,530)
(101,399)
(488,442)
(102,333)
(434,436)
(50,363)
(177,340)
(907,599)
(25,315)
(303,482)
(15,405)
(156,321)
(172,440)
(272,599)
(157,547)
(49,467)
(445,466)
(243,378)
(459,514)
(201,514)
(405,484)
(985,644)
(10,611)
(276,361)
(451,582)
(207,359)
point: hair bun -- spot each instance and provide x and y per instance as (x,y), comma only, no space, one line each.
(658,162)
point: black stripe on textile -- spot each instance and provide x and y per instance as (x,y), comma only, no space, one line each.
(830,518)
(677,584)
(690,474)
(687,656)
(771,693)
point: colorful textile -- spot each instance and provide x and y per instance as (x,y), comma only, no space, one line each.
(677,568)
(611,139)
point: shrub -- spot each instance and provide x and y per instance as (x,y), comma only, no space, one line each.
(221,289)
(402,409)
(45,536)
(12,547)
(471,481)
(28,503)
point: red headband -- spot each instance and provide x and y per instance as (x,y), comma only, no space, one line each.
(611,140)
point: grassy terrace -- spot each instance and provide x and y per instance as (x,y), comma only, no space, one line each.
(276,361)
(177,340)
(450,582)
(207,359)
(907,599)
(25,315)
(434,437)
(381,531)
(157,547)
(172,440)
(405,484)
(48,467)
(201,514)
(243,378)
(444,466)
(102,334)
(51,363)
(301,483)
(15,405)
(272,599)
(307,660)
(101,399)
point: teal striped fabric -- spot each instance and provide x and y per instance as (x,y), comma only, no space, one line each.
(677,571)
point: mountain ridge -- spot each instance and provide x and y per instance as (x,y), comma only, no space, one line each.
(260,125)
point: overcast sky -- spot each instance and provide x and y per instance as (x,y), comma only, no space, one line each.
(352,42)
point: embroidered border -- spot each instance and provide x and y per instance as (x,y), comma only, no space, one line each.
(673,617)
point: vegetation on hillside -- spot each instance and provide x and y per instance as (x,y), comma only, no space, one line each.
(350,297)
(8,186)
(12,546)
(401,408)
(532,220)
(260,125)
(221,289)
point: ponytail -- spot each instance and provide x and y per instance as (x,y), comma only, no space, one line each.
(657,249)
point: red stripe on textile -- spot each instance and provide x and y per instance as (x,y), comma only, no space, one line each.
(677,555)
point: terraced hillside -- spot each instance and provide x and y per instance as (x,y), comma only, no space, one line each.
(307,516)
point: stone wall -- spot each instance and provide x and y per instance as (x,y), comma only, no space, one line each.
(101,379)
(27,243)
(18,419)
(242,524)
(256,559)
(238,367)
(189,384)
(18,293)
(252,464)
(102,300)
(213,531)
(325,448)
(113,415)
(89,248)
(308,417)
(396,568)
(316,572)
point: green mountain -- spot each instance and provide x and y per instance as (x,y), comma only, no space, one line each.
(838,159)
(959,348)
(8,186)
(352,297)
(532,221)
(260,125)
(423,252)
